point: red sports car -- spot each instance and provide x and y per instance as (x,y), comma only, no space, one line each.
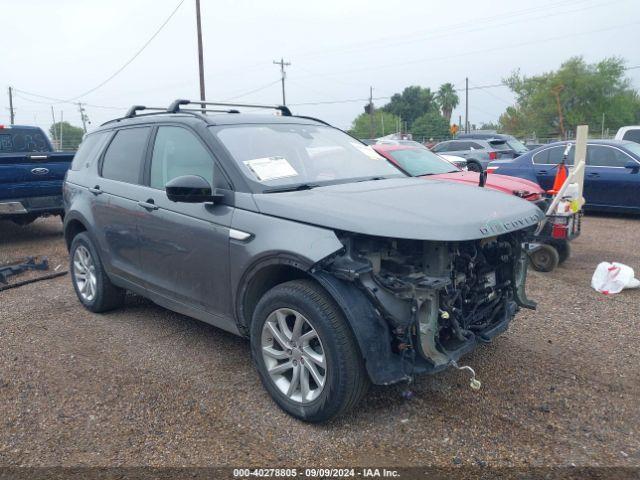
(420,162)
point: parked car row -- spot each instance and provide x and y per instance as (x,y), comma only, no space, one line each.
(612,174)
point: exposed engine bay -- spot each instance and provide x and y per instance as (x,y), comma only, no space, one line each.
(439,298)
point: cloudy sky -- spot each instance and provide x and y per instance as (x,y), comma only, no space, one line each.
(337,49)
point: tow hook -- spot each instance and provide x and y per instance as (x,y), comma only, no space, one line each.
(475,383)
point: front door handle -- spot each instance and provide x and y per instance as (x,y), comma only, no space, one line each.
(593,174)
(148,205)
(95,190)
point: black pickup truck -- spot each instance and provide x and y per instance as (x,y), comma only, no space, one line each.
(31,174)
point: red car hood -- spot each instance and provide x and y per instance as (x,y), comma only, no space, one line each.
(502,183)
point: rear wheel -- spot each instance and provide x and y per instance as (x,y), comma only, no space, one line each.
(545,258)
(305,352)
(474,166)
(94,289)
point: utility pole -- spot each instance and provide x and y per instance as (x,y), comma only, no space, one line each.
(61,117)
(53,126)
(11,112)
(466,105)
(200,54)
(556,93)
(459,122)
(283,74)
(602,136)
(83,116)
(371,129)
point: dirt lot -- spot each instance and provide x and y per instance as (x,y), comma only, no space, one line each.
(145,386)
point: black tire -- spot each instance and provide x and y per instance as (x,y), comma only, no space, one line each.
(563,248)
(544,259)
(346,380)
(474,166)
(107,296)
(24,220)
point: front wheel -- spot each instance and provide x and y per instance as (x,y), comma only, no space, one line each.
(545,258)
(305,352)
(474,166)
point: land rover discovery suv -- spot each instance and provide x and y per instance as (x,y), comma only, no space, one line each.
(339,269)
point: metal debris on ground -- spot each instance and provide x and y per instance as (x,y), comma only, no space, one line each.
(13,269)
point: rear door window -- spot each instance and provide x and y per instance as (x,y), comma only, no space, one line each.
(604,156)
(125,154)
(553,156)
(89,149)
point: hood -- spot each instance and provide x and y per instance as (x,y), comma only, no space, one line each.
(502,183)
(411,208)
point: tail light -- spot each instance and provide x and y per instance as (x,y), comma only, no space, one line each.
(491,169)
(493,155)
(559,231)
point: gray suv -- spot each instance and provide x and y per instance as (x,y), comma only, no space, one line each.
(339,269)
(478,153)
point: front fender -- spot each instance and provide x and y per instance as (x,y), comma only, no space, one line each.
(371,331)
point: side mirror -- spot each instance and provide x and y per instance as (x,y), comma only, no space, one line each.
(633,166)
(190,189)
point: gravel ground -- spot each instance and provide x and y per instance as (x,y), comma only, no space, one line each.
(145,386)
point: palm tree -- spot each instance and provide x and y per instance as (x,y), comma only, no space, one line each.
(447,99)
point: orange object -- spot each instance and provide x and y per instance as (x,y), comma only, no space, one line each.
(561,177)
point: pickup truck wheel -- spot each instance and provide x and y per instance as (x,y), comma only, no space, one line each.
(474,166)
(544,259)
(305,352)
(94,289)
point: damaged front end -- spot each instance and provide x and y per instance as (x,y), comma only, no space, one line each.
(437,299)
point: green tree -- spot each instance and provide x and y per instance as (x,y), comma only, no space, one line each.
(71,136)
(554,103)
(430,125)
(384,123)
(489,126)
(413,102)
(447,99)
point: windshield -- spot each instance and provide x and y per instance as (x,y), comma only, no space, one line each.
(517,145)
(420,161)
(15,140)
(633,148)
(278,155)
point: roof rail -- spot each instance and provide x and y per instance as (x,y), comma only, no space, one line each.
(136,108)
(175,106)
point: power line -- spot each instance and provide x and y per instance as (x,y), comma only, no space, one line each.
(263,87)
(448,29)
(128,62)
(482,51)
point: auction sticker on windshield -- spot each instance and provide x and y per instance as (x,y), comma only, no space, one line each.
(271,168)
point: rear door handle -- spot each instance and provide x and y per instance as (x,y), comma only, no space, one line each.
(148,205)
(542,172)
(593,174)
(95,190)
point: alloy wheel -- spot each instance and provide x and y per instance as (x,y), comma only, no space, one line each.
(84,273)
(293,355)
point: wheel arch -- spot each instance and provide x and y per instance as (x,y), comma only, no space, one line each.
(370,330)
(73,225)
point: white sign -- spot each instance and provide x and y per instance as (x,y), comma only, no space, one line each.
(271,168)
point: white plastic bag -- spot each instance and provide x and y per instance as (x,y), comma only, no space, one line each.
(613,277)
